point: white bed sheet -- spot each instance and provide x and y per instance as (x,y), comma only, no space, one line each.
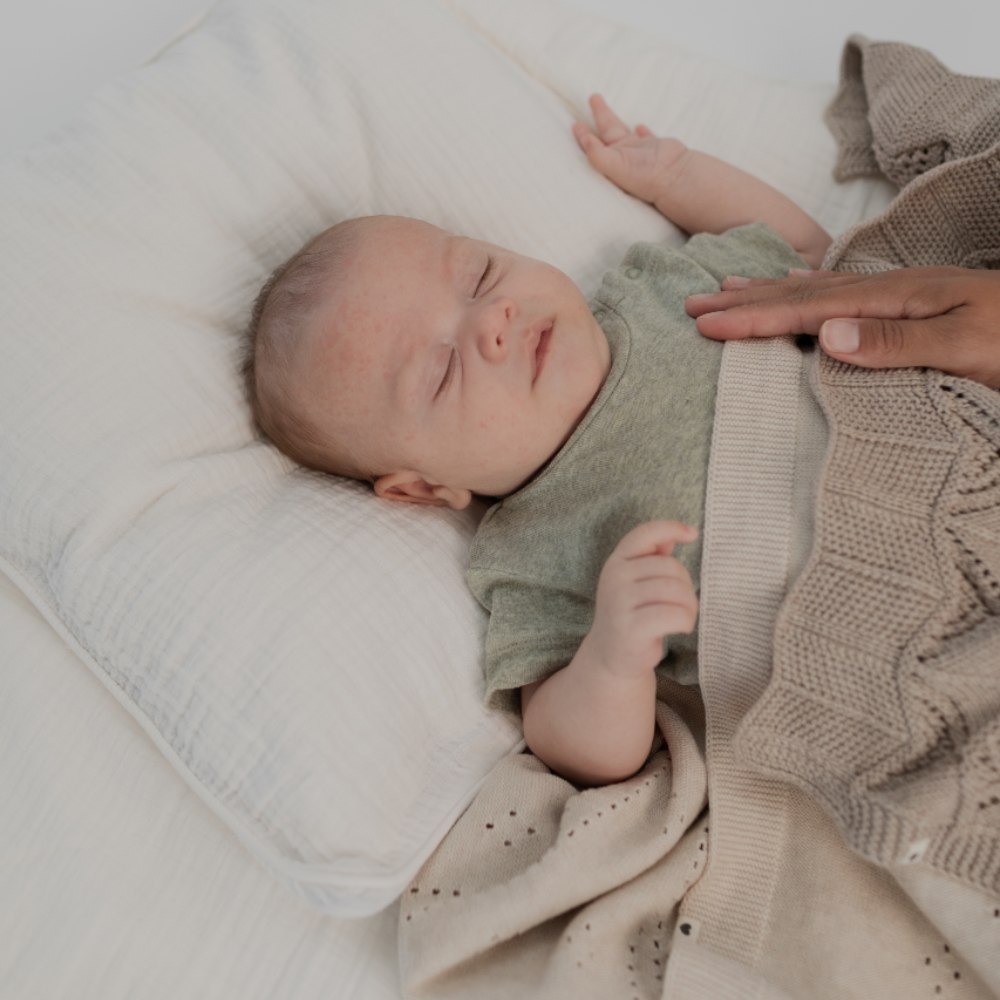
(133,878)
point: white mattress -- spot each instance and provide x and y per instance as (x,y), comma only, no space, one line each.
(130,887)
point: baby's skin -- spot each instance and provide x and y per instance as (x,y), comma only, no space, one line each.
(467,372)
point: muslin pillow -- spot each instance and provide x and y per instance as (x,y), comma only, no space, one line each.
(305,655)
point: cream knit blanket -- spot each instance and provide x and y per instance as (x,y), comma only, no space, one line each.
(878,725)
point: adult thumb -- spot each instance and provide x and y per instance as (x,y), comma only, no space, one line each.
(883,343)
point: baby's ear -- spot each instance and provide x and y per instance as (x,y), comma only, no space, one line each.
(411,487)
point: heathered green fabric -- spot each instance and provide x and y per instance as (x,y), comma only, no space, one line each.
(640,453)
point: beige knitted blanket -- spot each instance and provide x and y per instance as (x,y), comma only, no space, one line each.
(853,849)
(885,699)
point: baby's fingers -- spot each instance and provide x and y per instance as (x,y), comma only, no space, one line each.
(659,620)
(669,592)
(610,127)
(586,139)
(658,537)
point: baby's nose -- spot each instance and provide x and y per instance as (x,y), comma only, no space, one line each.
(495,326)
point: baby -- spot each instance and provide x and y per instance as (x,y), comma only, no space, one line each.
(440,367)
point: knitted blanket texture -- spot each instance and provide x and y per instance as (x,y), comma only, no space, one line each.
(848,740)
(885,699)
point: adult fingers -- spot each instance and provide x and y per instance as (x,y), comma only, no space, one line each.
(737,291)
(769,307)
(802,305)
(950,342)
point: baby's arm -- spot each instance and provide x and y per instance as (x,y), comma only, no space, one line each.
(697,192)
(593,721)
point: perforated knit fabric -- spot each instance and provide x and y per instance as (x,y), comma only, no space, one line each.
(900,112)
(885,697)
(545,891)
(950,215)
(549,892)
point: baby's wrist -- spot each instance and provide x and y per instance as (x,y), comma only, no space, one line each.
(673,162)
(595,663)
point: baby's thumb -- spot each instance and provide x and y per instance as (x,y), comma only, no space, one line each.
(599,156)
(885,343)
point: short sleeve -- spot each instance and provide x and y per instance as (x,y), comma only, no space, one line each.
(753,251)
(534,630)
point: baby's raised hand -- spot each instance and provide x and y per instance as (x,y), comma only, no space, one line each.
(643,594)
(634,159)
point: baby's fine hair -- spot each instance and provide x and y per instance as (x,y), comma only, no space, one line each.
(278,321)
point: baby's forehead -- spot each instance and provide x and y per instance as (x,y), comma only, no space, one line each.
(399,260)
(399,236)
(387,233)
(397,270)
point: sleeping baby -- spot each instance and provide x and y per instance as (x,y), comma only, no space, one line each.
(440,367)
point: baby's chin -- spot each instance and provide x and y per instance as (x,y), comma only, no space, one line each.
(529,474)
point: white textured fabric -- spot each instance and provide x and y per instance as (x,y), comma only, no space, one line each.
(305,656)
(117,884)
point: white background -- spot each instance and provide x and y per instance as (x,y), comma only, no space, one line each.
(53,53)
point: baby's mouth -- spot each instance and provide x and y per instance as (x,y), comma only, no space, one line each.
(541,351)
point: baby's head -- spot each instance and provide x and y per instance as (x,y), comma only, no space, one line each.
(433,365)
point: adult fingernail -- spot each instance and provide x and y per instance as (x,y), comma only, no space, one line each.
(840,336)
(710,316)
(735,281)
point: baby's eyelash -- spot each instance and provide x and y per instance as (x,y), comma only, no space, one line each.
(449,373)
(485,275)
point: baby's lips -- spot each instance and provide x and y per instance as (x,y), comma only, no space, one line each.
(541,350)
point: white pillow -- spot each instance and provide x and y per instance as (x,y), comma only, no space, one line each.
(305,655)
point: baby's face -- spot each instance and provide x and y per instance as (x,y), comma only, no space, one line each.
(460,367)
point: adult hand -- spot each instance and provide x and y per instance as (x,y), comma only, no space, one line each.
(935,317)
